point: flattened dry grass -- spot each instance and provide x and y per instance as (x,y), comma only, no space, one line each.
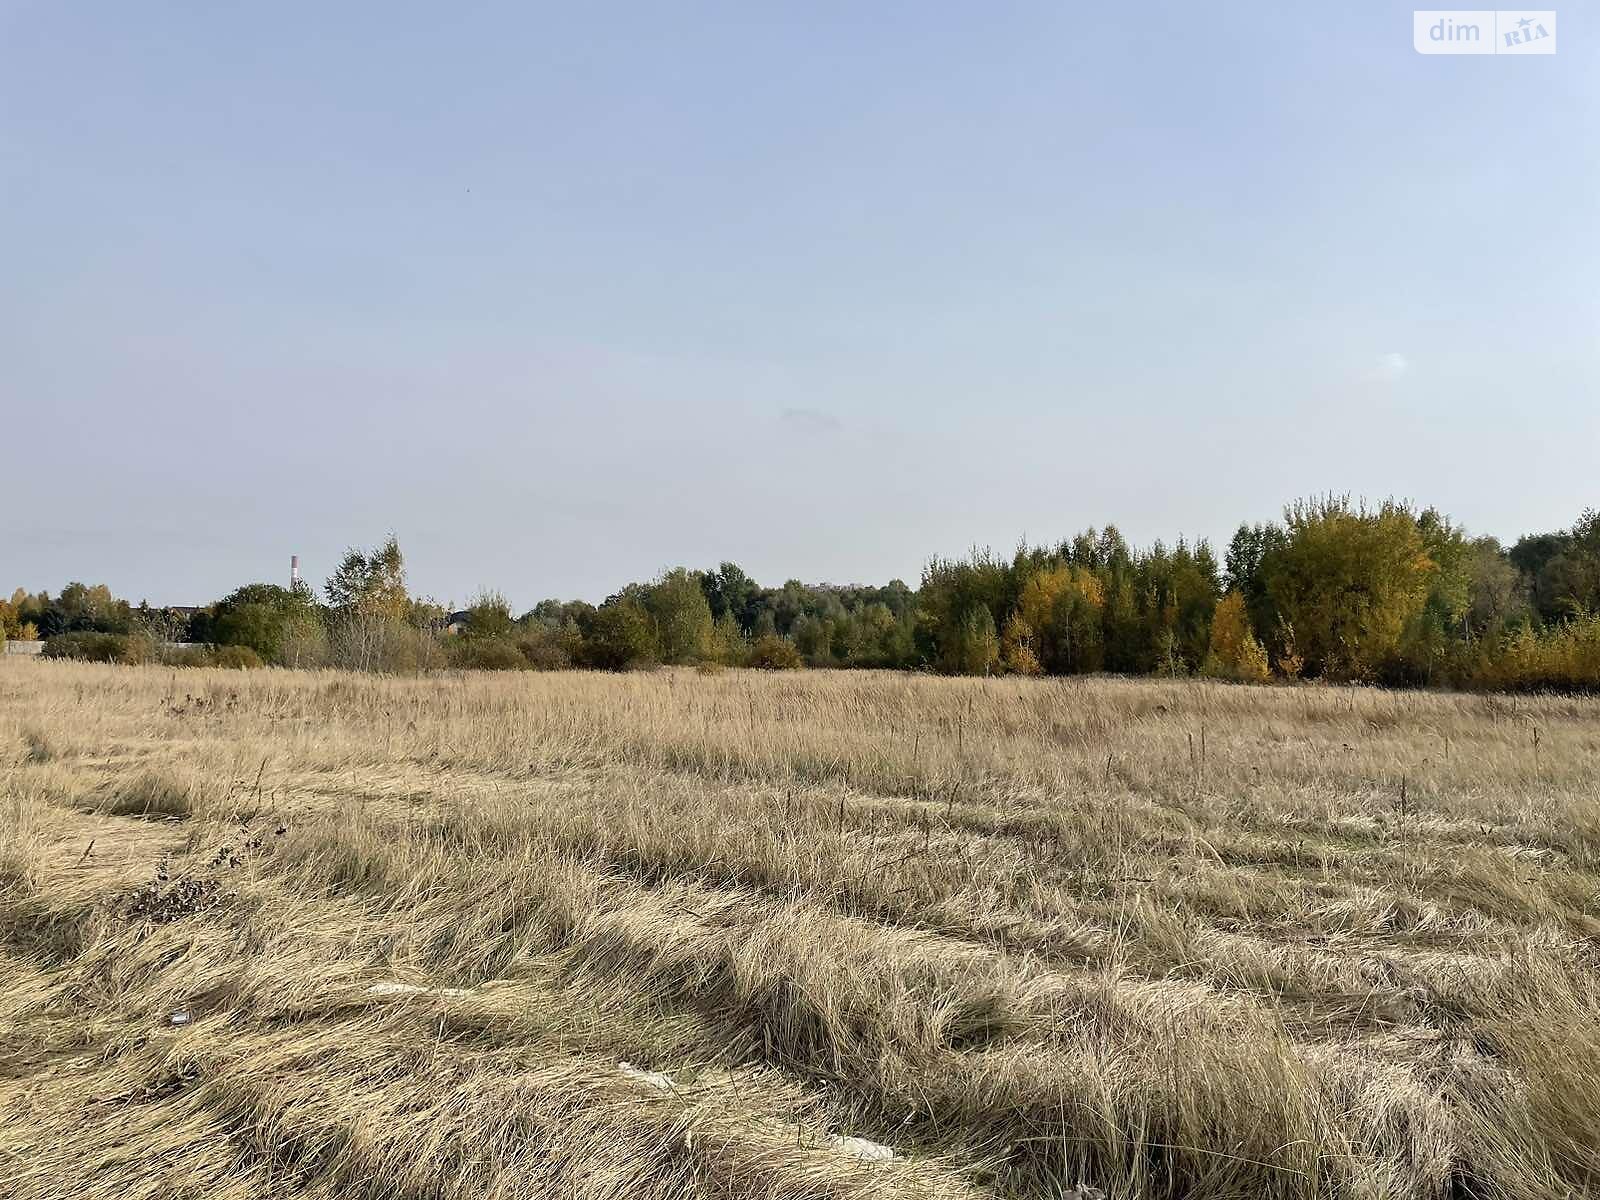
(150,793)
(320,935)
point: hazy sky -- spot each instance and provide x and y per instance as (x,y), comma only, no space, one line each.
(565,294)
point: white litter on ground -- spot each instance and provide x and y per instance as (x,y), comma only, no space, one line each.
(411,989)
(181,1017)
(862,1148)
(654,1079)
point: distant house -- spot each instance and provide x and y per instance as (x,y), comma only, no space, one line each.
(456,622)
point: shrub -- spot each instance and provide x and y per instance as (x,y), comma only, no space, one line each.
(367,641)
(545,649)
(187,656)
(238,657)
(620,635)
(773,653)
(1565,658)
(86,646)
(487,654)
(305,641)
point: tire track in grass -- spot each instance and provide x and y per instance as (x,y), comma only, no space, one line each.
(1139,935)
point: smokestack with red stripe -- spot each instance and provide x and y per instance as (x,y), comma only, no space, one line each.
(294,571)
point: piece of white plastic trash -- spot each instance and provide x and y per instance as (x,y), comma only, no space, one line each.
(411,989)
(394,989)
(653,1079)
(862,1148)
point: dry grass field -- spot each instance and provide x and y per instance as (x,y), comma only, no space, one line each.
(313,935)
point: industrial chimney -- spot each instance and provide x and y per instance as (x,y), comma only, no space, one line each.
(294,571)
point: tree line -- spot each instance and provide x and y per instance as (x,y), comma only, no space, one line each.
(1334,590)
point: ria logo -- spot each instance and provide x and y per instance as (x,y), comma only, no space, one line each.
(1528,30)
(1483,31)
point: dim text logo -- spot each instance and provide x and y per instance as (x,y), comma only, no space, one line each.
(1483,31)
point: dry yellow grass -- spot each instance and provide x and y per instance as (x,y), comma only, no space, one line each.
(1159,940)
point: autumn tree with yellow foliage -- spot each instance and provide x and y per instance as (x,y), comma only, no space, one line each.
(1017,647)
(1236,653)
(1062,606)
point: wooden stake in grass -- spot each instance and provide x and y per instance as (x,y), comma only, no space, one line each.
(1404,809)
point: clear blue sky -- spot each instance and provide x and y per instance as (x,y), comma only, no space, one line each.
(564,294)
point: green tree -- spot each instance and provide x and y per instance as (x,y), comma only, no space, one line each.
(489,617)
(1568,583)
(730,592)
(620,635)
(372,584)
(952,591)
(1429,644)
(81,608)
(730,643)
(685,630)
(266,618)
(1497,594)
(1247,552)
(976,649)
(1348,581)
(812,638)
(368,626)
